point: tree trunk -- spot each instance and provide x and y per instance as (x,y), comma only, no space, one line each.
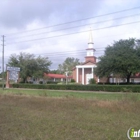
(128,78)
(24,80)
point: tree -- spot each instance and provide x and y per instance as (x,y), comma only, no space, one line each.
(121,58)
(54,71)
(42,66)
(29,65)
(68,65)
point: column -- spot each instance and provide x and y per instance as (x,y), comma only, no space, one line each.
(77,75)
(92,73)
(83,74)
(98,80)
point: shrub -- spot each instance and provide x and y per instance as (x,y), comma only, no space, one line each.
(51,82)
(126,90)
(92,81)
(60,83)
(1,85)
(108,88)
(30,82)
(72,81)
(40,82)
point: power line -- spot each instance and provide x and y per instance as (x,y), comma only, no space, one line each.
(64,53)
(83,50)
(79,26)
(96,38)
(76,32)
(77,20)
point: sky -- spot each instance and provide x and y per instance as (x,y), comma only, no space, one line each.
(58,29)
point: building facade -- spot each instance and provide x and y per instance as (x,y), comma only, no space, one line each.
(135,78)
(84,72)
(57,77)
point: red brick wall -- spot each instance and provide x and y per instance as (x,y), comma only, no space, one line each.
(80,76)
(74,74)
(104,80)
(86,71)
(90,58)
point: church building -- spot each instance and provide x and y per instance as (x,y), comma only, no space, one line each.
(84,72)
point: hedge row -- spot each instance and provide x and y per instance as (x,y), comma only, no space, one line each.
(110,88)
(1,85)
(131,83)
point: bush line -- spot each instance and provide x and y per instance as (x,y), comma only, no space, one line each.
(109,88)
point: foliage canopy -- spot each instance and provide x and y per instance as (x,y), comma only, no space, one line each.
(121,58)
(68,65)
(30,66)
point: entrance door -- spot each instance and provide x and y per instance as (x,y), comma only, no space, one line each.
(88,77)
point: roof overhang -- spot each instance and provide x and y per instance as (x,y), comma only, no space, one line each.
(86,66)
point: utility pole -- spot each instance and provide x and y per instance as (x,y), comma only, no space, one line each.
(3,62)
(66,73)
(66,77)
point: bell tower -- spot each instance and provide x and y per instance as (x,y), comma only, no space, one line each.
(90,50)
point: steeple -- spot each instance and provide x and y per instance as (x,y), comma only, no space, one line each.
(90,50)
(90,42)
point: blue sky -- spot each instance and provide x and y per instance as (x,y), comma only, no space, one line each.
(29,26)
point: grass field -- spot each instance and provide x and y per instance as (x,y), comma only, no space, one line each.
(72,94)
(61,115)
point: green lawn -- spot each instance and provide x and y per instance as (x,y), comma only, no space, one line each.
(64,115)
(73,94)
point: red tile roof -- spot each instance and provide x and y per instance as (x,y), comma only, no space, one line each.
(51,75)
(137,74)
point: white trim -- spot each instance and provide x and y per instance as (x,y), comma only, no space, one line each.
(90,53)
(83,76)
(86,66)
(88,77)
(77,74)
(114,80)
(92,70)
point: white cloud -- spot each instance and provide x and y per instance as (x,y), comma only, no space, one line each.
(29,15)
